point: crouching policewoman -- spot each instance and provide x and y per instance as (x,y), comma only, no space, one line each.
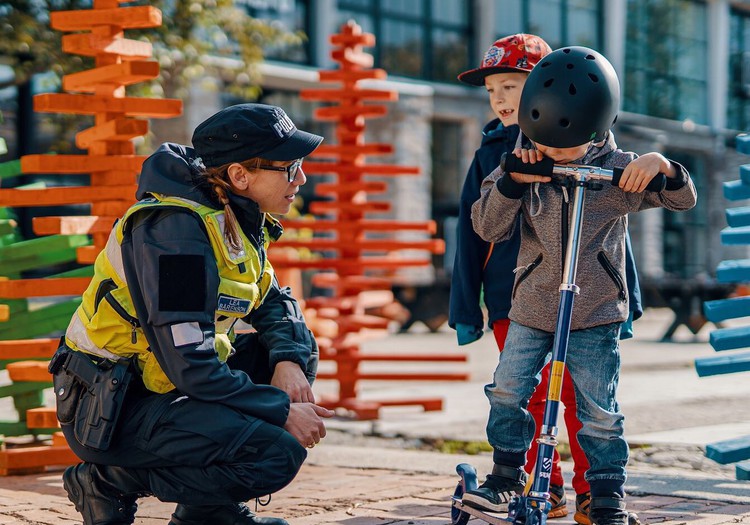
(155,392)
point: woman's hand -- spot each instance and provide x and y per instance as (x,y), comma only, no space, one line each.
(637,174)
(528,156)
(289,377)
(305,424)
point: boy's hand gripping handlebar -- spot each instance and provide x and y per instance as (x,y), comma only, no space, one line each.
(547,168)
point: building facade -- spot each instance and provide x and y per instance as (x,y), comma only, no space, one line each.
(684,68)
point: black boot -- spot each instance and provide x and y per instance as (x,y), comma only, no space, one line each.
(496,492)
(608,511)
(103,494)
(234,514)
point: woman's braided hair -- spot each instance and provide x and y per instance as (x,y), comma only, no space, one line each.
(217,178)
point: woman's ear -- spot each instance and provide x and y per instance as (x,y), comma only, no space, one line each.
(238,176)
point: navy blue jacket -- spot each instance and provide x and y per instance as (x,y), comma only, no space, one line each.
(473,271)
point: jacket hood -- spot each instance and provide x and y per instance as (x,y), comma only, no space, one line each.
(172,170)
(495,131)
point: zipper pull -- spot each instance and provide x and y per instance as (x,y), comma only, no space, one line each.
(133,335)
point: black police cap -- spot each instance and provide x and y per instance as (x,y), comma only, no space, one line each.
(246,131)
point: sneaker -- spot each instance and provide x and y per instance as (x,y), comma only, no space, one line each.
(559,502)
(583,504)
(496,492)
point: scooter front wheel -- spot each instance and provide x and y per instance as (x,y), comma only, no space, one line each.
(467,482)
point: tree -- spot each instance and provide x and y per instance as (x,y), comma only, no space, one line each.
(197,39)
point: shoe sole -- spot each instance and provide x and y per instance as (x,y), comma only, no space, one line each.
(558,512)
(581,518)
(479,503)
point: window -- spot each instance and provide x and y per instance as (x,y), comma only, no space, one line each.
(293,15)
(666,62)
(447,179)
(425,39)
(738,108)
(558,22)
(685,238)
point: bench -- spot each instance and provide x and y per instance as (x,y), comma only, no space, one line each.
(684,297)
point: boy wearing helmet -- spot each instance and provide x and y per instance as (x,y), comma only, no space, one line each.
(486,267)
(568,105)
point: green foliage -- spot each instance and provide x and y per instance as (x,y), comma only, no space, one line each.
(197,39)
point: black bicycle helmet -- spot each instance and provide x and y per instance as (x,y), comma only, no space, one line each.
(570,98)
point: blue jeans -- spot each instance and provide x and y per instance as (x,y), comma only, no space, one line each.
(593,360)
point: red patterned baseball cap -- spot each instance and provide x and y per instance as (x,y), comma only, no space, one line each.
(512,54)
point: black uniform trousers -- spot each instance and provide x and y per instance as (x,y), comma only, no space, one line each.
(200,453)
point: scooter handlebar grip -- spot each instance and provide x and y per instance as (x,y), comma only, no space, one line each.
(657,184)
(510,163)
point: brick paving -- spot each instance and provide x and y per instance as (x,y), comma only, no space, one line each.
(326,494)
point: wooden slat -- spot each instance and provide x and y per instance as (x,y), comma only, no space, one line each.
(123,74)
(28,371)
(736,190)
(730,338)
(730,450)
(732,236)
(721,310)
(139,17)
(362,225)
(92,45)
(66,195)
(119,129)
(34,459)
(43,417)
(320,168)
(29,348)
(92,104)
(735,271)
(65,164)
(72,225)
(346,94)
(738,217)
(21,288)
(729,364)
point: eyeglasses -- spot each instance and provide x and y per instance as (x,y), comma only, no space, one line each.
(291,170)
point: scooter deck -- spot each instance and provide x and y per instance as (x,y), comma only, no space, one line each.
(490,517)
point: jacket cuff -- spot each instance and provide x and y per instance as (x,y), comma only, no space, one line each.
(510,188)
(287,355)
(679,181)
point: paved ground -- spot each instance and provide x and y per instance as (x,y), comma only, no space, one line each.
(387,471)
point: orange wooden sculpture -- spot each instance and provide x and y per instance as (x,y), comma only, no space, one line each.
(110,161)
(360,254)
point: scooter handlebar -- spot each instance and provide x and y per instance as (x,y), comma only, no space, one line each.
(547,168)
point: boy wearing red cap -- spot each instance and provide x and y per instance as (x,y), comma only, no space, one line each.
(491,267)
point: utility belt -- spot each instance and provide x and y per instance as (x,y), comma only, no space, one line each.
(89,395)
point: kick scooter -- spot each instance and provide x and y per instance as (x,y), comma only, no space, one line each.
(532,507)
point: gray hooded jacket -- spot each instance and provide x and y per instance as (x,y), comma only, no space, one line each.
(603,297)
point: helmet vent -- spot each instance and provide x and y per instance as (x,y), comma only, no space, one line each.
(572,89)
(566,50)
(549,82)
(534,114)
(564,123)
(545,64)
(570,66)
(593,78)
(590,57)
